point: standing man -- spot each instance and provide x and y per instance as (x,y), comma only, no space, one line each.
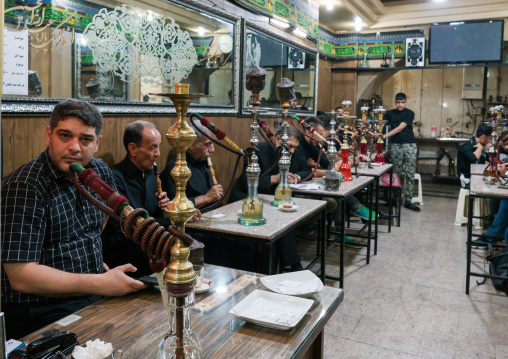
(51,235)
(135,180)
(473,152)
(403,145)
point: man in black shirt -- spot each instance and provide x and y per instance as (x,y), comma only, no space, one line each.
(51,246)
(200,189)
(473,152)
(309,148)
(296,103)
(403,145)
(135,179)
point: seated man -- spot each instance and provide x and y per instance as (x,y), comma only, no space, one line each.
(297,103)
(200,189)
(473,152)
(51,245)
(135,180)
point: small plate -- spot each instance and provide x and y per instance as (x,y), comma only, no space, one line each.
(292,209)
(205,286)
(272,310)
(273,282)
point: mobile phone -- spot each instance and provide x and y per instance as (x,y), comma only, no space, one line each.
(149,280)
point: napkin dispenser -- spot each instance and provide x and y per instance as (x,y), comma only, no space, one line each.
(46,347)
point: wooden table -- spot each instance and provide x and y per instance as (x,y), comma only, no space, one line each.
(345,189)
(478,169)
(479,189)
(136,323)
(278,223)
(377,172)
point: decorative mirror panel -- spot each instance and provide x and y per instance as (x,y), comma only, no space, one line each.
(280,58)
(115,54)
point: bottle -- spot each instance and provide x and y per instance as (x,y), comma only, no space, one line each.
(433,132)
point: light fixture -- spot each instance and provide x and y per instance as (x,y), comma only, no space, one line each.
(281,24)
(299,33)
(329,5)
(456,23)
(83,41)
(201,31)
(358,23)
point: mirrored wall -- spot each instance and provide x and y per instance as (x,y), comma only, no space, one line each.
(280,58)
(116,54)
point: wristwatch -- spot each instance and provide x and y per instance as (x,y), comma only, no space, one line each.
(298,178)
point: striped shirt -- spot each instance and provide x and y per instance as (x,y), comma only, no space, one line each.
(44,219)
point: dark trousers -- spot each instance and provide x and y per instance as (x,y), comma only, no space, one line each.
(22,319)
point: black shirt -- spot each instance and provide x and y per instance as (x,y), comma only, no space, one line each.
(310,151)
(395,118)
(44,219)
(199,183)
(466,157)
(139,188)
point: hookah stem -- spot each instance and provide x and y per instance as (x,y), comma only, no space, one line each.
(157,179)
(210,166)
(180,303)
(314,169)
(318,138)
(278,151)
(226,193)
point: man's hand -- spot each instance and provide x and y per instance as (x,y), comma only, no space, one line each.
(115,282)
(292,178)
(196,215)
(502,168)
(275,179)
(214,193)
(162,199)
(479,145)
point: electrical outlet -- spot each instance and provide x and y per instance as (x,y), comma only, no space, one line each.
(449,120)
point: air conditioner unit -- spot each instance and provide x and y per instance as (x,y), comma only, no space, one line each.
(296,58)
(415,52)
(472,83)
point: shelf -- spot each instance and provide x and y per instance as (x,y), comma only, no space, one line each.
(376,69)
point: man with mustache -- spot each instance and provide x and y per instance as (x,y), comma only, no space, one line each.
(51,244)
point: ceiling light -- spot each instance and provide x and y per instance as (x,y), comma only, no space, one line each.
(299,33)
(329,5)
(278,23)
(439,0)
(201,31)
(358,23)
(149,15)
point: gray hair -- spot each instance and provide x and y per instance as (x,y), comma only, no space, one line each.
(292,133)
(134,133)
(199,135)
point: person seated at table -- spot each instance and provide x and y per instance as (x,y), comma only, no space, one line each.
(473,152)
(339,110)
(309,147)
(296,103)
(200,189)
(286,246)
(499,226)
(51,244)
(135,180)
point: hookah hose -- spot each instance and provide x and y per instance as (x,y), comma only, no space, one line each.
(278,152)
(266,133)
(320,139)
(152,237)
(210,166)
(221,135)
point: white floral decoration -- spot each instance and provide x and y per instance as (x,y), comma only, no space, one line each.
(137,46)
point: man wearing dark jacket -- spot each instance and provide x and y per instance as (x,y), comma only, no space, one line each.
(472,152)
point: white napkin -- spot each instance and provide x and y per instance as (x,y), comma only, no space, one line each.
(268,311)
(296,287)
(307,186)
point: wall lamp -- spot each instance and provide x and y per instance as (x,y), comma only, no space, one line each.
(288,27)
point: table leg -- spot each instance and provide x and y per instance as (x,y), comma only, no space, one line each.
(377,216)
(469,235)
(369,231)
(322,240)
(390,202)
(270,252)
(342,240)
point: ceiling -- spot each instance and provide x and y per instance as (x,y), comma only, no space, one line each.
(384,15)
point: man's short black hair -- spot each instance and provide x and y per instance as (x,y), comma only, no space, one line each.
(298,95)
(86,112)
(483,129)
(326,121)
(292,133)
(400,96)
(134,133)
(314,122)
(338,108)
(319,113)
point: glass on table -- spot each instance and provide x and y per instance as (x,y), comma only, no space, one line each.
(200,272)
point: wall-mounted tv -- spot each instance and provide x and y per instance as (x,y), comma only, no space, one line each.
(466,42)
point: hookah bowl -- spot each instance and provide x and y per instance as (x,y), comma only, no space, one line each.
(252,208)
(286,92)
(181,342)
(491,169)
(363,146)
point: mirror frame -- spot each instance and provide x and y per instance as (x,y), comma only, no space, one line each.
(15,106)
(274,36)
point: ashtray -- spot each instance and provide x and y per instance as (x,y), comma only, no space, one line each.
(287,208)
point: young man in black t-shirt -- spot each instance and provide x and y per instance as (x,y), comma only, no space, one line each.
(403,145)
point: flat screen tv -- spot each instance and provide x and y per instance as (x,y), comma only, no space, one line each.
(466,42)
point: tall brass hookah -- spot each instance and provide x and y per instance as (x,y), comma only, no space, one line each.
(252,208)
(286,93)
(181,342)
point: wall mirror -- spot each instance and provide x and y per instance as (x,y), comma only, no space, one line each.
(114,54)
(280,58)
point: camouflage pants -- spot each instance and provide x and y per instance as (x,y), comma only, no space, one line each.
(403,157)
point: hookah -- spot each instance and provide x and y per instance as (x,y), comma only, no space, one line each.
(332,177)
(252,208)
(380,158)
(345,168)
(491,170)
(286,93)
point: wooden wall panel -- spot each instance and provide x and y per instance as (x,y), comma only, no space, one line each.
(325,86)
(411,85)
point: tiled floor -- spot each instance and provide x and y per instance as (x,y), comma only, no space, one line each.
(409,302)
